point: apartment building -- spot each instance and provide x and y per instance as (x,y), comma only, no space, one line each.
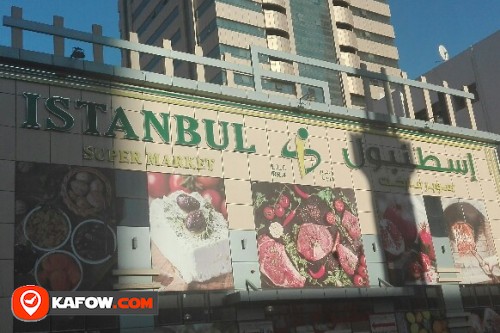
(348,32)
(476,68)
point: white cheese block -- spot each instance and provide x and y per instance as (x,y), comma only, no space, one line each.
(198,257)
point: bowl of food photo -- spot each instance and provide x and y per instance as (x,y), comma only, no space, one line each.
(86,191)
(58,271)
(93,241)
(47,228)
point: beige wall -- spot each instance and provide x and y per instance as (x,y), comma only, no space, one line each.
(267,131)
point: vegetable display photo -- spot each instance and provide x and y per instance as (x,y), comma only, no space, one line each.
(406,239)
(189,232)
(65,235)
(308,236)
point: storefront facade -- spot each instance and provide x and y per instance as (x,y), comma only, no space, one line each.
(243,217)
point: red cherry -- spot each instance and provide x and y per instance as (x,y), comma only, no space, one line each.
(279,211)
(284,201)
(268,213)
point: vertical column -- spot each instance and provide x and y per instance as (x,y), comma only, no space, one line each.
(134,55)
(408,98)
(449,106)
(366,88)
(256,69)
(427,100)
(345,90)
(388,93)
(200,68)
(97,48)
(229,73)
(472,117)
(169,62)
(16,33)
(58,22)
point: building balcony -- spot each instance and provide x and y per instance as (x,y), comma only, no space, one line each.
(275,20)
(347,38)
(282,67)
(341,3)
(343,15)
(349,60)
(355,85)
(278,43)
(281,3)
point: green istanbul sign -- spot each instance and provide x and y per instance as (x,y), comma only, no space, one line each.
(187,128)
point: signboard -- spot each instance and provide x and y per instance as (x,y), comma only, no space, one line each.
(309,189)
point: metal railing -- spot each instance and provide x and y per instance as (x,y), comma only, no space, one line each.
(399,93)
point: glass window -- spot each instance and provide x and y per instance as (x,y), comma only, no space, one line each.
(214,53)
(468,296)
(313,30)
(241,27)
(152,64)
(203,7)
(176,37)
(370,15)
(246,4)
(235,51)
(243,80)
(473,90)
(138,10)
(170,309)
(211,27)
(458,103)
(163,27)
(362,34)
(376,59)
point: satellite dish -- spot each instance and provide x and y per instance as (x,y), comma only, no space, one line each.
(443,53)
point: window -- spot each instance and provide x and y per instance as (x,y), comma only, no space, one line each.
(458,103)
(235,51)
(376,59)
(245,4)
(421,115)
(152,64)
(163,27)
(241,27)
(205,5)
(151,17)
(211,27)
(176,37)
(243,80)
(370,15)
(371,36)
(138,10)
(473,90)
(214,53)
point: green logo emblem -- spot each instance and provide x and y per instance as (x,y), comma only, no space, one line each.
(301,152)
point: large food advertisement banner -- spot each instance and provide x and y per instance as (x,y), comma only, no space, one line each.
(471,240)
(308,236)
(406,238)
(189,232)
(65,231)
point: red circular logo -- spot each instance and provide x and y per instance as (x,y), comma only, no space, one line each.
(30,303)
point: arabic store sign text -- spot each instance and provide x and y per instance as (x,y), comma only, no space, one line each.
(373,156)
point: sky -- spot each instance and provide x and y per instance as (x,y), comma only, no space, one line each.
(420,26)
